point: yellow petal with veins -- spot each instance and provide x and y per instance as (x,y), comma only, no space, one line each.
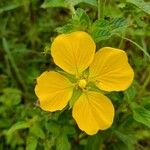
(73,52)
(110,70)
(53,90)
(92,112)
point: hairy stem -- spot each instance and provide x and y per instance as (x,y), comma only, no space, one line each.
(15,69)
(101,5)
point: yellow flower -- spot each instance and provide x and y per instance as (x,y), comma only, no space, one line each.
(108,68)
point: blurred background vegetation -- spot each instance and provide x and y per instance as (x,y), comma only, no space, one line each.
(27,28)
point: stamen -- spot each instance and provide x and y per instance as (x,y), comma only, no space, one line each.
(82,83)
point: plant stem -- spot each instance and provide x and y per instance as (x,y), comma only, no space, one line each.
(101,4)
(140,47)
(73,11)
(18,77)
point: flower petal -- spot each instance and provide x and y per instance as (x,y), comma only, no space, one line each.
(73,52)
(93,111)
(111,70)
(53,91)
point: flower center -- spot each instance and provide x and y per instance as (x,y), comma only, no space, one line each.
(82,83)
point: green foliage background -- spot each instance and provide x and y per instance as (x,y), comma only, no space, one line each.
(27,28)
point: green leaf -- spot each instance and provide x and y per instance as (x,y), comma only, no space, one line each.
(146,102)
(53,127)
(11,96)
(68,130)
(117,23)
(76,2)
(9,7)
(104,29)
(140,114)
(127,139)
(31,143)
(66,3)
(54,3)
(100,35)
(80,21)
(145,6)
(37,131)
(65,29)
(93,142)
(62,143)
(130,94)
(18,126)
(12,5)
(119,145)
